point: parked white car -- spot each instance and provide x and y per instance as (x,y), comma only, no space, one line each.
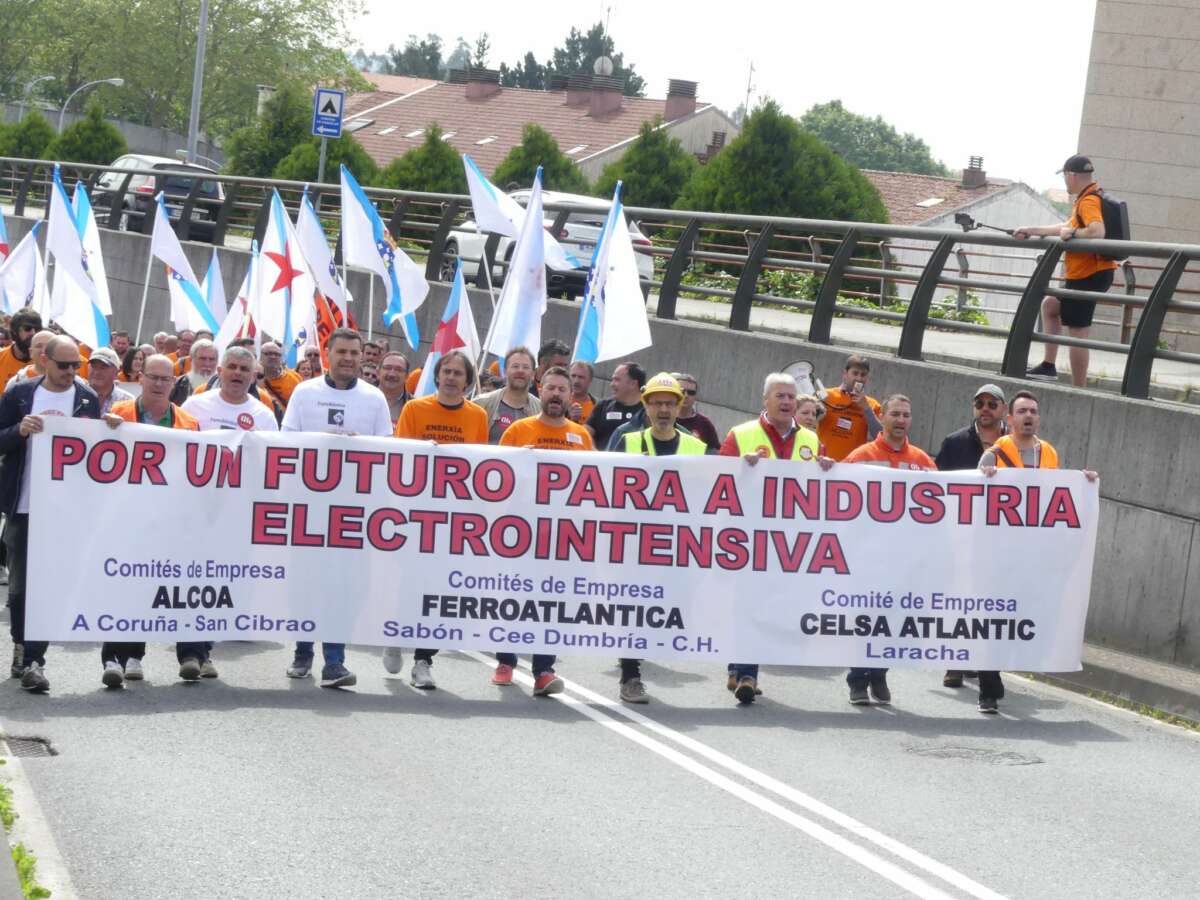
(578,238)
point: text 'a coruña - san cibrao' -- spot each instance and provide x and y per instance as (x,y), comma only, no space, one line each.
(581,494)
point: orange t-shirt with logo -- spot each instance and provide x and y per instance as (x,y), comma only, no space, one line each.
(1086,211)
(428,420)
(880,452)
(844,425)
(533,432)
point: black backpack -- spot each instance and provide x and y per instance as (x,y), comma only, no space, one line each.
(1116,220)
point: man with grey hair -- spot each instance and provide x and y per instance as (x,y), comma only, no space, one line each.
(231,407)
(160,341)
(773,435)
(204,365)
(103,366)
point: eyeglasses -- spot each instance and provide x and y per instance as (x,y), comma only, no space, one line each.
(690,393)
(158,379)
(990,404)
(71,364)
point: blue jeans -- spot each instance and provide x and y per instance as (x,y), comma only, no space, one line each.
(541,662)
(744,670)
(860,678)
(335,654)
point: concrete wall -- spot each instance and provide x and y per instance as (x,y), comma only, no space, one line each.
(1146,587)
(694,133)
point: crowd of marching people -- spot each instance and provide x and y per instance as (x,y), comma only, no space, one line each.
(542,400)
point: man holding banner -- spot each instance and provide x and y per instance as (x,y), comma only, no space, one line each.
(22,412)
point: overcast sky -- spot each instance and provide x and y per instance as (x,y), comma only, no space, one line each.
(1002,79)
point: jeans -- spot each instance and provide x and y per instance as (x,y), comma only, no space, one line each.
(335,654)
(990,686)
(744,670)
(860,678)
(16,540)
(630,669)
(541,662)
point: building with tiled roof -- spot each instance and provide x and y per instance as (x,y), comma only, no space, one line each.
(589,117)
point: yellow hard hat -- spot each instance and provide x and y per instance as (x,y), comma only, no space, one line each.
(662,383)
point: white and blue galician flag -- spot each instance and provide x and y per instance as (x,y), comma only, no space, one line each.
(75,297)
(23,276)
(367,243)
(213,289)
(613,321)
(189,307)
(315,247)
(497,212)
(518,315)
(285,305)
(89,233)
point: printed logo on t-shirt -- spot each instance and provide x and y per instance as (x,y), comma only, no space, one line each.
(844,424)
(504,420)
(573,438)
(806,453)
(614,414)
(246,421)
(337,416)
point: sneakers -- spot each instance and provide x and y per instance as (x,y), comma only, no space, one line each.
(301,667)
(133,670)
(879,689)
(859,696)
(952,679)
(1043,372)
(393,660)
(547,683)
(207,669)
(422,677)
(731,684)
(33,680)
(988,706)
(18,661)
(189,669)
(113,676)
(503,675)
(746,690)
(633,691)
(334,677)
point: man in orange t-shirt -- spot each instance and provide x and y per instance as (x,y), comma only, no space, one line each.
(24,325)
(446,417)
(891,449)
(278,381)
(851,417)
(1084,271)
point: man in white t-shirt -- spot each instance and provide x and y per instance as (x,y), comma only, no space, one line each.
(336,403)
(231,407)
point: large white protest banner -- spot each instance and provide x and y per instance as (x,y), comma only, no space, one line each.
(241,535)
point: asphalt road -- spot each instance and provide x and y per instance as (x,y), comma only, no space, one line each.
(255,786)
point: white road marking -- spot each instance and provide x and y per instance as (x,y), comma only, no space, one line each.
(864,857)
(33,830)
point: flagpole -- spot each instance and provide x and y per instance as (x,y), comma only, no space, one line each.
(137,338)
(487,271)
(371,308)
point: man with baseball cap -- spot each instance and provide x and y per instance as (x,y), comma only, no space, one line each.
(1084,271)
(962,449)
(662,397)
(103,366)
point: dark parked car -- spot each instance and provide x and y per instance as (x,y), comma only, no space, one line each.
(174,178)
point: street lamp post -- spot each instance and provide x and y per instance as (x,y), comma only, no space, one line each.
(28,90)
(197,84)
(115,82)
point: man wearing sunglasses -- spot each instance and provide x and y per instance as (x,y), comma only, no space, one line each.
(962,450)
(23,410)
(24,325)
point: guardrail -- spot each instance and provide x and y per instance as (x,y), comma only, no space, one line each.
(853,259)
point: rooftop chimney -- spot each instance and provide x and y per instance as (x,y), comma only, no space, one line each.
(973,175)
(681,99)
(482,83)
(456,76)
(579,90)
(606,94)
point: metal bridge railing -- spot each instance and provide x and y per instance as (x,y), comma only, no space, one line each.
(848,259)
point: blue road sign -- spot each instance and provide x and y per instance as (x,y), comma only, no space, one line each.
(327,113)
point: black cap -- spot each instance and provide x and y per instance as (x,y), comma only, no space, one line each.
(1080,164)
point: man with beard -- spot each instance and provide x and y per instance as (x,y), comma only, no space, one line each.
(203,366)
(549,430)
(24,325)
(513,401)
(446,417)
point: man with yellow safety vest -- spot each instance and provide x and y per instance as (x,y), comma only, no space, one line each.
(662,397)
(773,435)
(1021,448)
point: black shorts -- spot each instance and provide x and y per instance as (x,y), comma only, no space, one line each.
(1078,313)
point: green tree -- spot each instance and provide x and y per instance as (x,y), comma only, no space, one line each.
(528,73)
(28,139)
(774,169)
(90,140)
(434,166)
(580,51)
(483,48)
(301,164)
(286,122)
(419,58)
(653,171)
(870,143)
(538,148)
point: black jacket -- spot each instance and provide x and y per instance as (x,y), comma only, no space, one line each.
(15,404)
(960,450)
